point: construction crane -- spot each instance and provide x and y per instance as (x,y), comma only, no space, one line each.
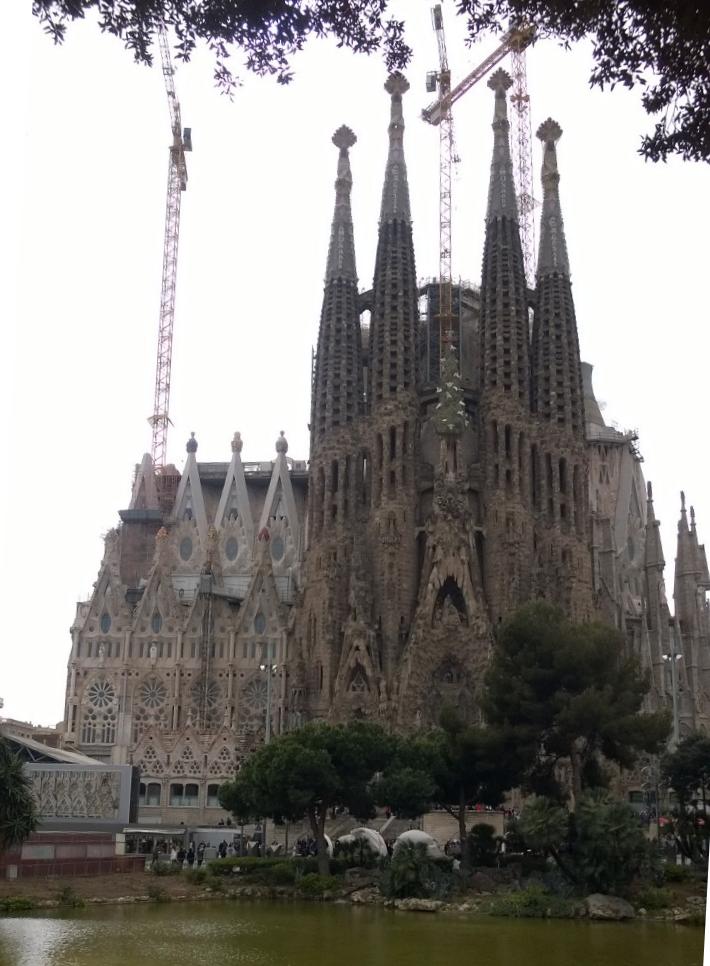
(439,113)
(177,183)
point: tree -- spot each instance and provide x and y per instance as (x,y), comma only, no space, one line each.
(467,763)
(664,49)
(599,848)
(18,814)
(687,771)
(310,771)
(569,691)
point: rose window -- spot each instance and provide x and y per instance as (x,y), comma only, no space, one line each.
(153,693)
(101,694)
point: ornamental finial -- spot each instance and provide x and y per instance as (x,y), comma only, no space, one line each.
(237,443)
(191,444)
(649,491)
(282,444)
(344,138)
(396,84)
(500,81)
(682,501)
(549,131)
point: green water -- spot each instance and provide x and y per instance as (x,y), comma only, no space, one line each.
(270,934)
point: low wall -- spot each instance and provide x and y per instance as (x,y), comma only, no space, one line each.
(67,854)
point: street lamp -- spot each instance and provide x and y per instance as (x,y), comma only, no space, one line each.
(270,669)
(673,659)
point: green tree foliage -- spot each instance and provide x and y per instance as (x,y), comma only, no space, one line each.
(18,814)
(661,49)
(481,845)
(413,873)
(568,691)
(608,845)
(468,764)
(599,848)
(687,771)
(308,772)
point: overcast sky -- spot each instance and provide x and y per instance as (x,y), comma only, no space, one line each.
(83,173)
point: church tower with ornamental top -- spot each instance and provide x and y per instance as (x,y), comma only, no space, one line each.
(445,486)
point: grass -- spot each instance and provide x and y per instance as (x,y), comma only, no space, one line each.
(533,903)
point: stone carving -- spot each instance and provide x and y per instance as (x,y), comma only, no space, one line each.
(76,794)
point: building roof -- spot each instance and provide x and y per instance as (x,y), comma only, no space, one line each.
(35,751)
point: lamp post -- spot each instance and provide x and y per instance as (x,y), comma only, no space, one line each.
(673,659)
(270,669)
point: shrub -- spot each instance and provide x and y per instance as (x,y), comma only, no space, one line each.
(481,845)
(284,874)
(196,876)
(68,897)
(609,848)
(165,868)
(314,886)
(412,872)
(244,865)
(675,873)
(533,903)
(17,904)
(157,894)
(654,898)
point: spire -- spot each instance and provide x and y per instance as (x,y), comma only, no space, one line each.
(654,551)
(553,247)
(341,253)
(395,194)
(337,386)
(501,191)
(557,389)
(686,562)
(394,318)
(504,310)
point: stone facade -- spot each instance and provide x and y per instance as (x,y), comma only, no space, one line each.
(449,481)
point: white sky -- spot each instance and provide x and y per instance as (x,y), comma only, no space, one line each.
(83,167)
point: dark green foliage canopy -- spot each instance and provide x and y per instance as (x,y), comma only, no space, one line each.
(599,848)
(664,49)
(569,691)
(687,771)
(18,815)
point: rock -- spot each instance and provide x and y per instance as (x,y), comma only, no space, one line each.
(418,905)
(365,896)
(696,900)
(642,912)
(608,907)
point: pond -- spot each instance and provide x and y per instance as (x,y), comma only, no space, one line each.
(311,934)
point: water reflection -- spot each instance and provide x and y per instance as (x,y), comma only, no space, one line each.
(271,934)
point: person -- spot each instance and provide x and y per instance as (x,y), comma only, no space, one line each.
(230,849)
(156,857)
(173,856)
(191,855)
(181,856)
(200,854)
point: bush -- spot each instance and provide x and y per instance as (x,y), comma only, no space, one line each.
(157,894)
(196,876)
(533,903)
(654,898)
(17,904)
(609,848)
(413,873)
(68,897)
(284,874)
(675,873)
(244,865)
(314,886)
(481,845)
(165,868)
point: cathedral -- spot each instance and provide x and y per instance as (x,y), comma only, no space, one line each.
(454,473)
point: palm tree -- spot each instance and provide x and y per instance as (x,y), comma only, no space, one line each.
(18,813)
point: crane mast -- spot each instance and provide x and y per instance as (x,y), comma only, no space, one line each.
(446,157)
(514,42)
(177,183)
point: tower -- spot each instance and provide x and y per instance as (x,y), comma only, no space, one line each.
(505,380)
(392,404)
(336,478)
(559,468)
